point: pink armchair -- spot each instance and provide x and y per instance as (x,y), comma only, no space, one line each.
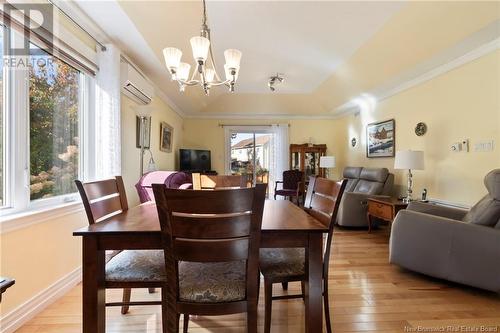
(173,179)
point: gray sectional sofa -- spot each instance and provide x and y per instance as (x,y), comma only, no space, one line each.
(362,183)
(452,244)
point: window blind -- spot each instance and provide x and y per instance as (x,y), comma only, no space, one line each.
(18,21)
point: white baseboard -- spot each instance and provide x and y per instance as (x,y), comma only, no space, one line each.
(26,311)
(448,203)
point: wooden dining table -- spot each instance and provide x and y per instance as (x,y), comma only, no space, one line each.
(283,225)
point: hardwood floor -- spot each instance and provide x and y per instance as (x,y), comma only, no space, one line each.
(366,294)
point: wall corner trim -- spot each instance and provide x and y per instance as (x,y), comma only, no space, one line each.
(29,309)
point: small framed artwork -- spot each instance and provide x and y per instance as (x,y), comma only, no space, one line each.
(381,139)
(166,137)
(147,133)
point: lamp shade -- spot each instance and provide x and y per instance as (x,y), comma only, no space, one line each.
(200,46)
(409,159)
(233,58)
(144,111)
(229,76)
(209,74)
(327,162)
(172,57)
(183,71)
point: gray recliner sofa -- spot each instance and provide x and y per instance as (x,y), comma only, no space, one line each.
(362,183)
(452,244)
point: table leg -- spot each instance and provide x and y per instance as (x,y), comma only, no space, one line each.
(313,286)
(94,294)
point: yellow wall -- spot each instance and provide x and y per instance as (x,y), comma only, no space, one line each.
(131,154)
(40,254)
(207,134)
(460,104)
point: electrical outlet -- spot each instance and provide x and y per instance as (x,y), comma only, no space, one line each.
(461,146)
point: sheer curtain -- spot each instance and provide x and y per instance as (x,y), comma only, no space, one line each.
(281,150)
(107,114)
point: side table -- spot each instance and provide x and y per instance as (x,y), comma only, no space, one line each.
(384,209)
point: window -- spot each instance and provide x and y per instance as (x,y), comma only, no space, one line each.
(44,110)
(53,120)
(251,153)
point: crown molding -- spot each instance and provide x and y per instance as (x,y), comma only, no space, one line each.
(284,116)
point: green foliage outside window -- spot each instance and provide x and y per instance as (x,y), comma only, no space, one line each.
(54,139)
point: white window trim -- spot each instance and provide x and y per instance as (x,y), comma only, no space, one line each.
(24,219)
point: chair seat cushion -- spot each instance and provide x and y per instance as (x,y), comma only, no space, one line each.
(212,282)
(286,192)
(136,266)
(281,263)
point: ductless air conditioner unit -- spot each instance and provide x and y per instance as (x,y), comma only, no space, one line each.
(134,85)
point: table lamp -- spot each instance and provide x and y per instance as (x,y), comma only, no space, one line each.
(327,162)
(409,160)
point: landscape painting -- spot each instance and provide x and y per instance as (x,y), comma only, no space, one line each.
(166,136)
(380,139)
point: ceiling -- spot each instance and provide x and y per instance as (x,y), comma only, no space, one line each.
(329,52)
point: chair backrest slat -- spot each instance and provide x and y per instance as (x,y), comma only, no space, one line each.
(105,207)
(102,198)
(99,189)
(322,203)
(231,249)
(209,202)
(204,227)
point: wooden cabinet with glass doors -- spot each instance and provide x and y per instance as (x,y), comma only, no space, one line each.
(305,157)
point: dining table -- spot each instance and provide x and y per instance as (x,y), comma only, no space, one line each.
(283,225)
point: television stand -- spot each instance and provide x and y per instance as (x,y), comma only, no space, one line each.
(205,172)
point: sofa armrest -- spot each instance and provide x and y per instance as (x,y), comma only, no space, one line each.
(437,210)
(421,242)
(446,248)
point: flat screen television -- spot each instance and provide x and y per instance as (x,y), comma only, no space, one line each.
(195,160)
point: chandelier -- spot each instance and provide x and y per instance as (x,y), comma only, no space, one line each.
(205,72)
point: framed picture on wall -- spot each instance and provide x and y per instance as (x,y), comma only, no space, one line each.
(147,134)
(381,139)
(166,137)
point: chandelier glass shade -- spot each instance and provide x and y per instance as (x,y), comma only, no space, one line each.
(204,69)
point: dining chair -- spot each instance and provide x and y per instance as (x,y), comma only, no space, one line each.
(124,269)
(285,265)
(292,185)
(211,242)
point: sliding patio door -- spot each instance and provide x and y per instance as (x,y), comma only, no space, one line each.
(257,153)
